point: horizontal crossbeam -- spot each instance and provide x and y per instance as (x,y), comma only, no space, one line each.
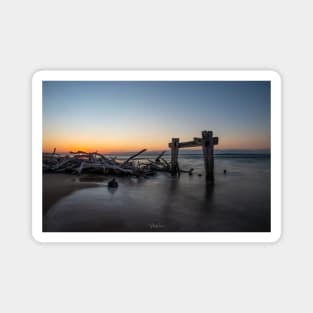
(196,142)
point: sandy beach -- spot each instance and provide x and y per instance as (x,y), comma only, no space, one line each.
(58,186)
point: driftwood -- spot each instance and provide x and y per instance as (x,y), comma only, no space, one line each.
(160,156)
(78,162)
(84,162)
(133,156)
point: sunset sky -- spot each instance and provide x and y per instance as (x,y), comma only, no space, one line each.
(129,116)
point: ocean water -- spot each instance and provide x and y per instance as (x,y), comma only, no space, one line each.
(237,202)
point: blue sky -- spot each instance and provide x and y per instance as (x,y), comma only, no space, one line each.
(121,116)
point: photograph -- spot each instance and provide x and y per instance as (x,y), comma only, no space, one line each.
(156,156)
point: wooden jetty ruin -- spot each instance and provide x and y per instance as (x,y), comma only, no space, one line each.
(207,142)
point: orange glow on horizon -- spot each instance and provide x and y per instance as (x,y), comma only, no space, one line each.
(64,146)
(109,146)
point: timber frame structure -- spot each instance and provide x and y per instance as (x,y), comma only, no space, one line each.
(207,141)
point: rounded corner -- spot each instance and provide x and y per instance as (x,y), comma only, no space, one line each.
(276,237)
(37,75)
(36,237)
(276,76)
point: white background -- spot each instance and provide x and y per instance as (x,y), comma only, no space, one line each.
(155,35)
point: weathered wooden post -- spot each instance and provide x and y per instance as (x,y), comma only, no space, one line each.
(174,156)
(207,149)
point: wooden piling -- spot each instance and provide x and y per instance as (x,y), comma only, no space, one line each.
(207,149)
(174,156)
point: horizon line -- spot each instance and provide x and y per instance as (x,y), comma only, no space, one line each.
(160,150)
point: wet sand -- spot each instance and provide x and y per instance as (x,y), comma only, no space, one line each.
(57,186)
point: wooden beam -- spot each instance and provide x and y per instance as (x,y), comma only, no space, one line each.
(195,143)
(189,144)
(198,140)
(207,149)
(186,144)
(174,156)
